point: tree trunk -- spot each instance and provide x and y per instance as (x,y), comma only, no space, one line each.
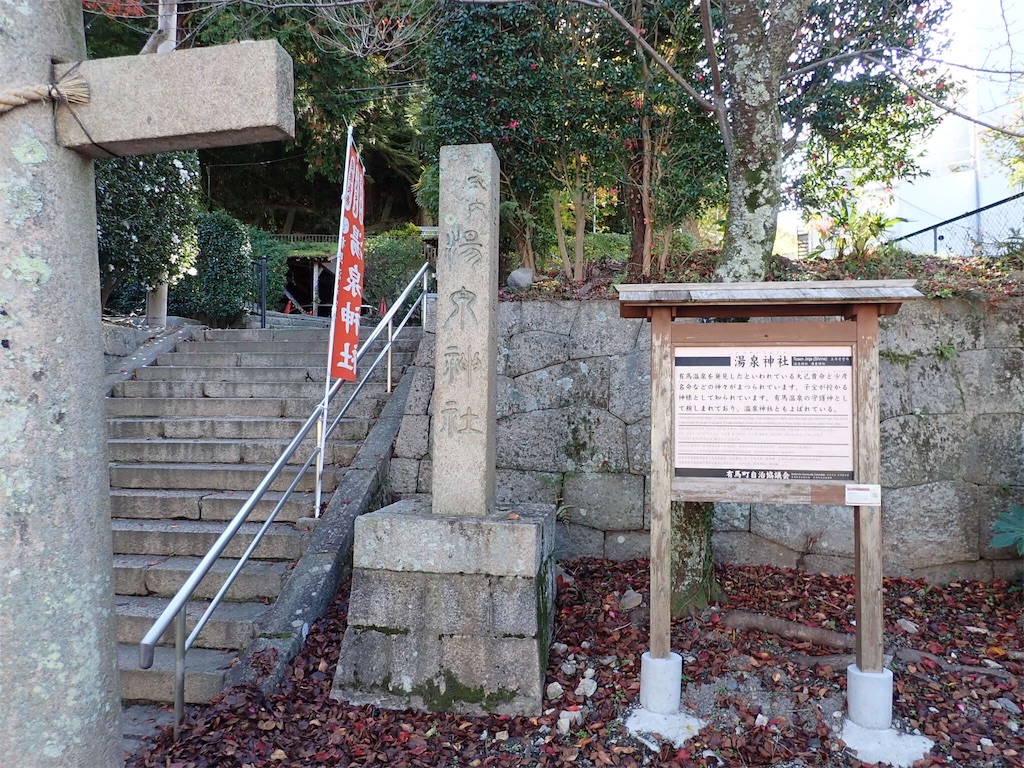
(666,247)
(693,582)
(563,251)
(524,245)
(647,194)
(579,201)
(637,225)
(754,202)
(758,55)
(107,286)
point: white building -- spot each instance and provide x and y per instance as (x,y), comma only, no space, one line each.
(964,175)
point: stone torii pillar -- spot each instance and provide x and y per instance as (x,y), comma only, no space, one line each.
(58,669)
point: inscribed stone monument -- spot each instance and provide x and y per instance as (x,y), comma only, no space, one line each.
(451,602)
(466,352)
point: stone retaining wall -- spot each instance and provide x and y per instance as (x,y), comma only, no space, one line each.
(573,429)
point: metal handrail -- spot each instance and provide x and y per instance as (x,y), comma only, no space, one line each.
(177,608)
(934,228)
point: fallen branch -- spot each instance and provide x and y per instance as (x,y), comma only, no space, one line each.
(835,660)
(914,656)
(788,629)
(909,655)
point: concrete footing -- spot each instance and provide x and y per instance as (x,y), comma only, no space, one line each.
(870,745)
(661,683)
(449,613)
(869,697)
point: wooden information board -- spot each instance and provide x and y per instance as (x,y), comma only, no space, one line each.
(777,412)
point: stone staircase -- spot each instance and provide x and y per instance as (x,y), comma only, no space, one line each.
(190,438)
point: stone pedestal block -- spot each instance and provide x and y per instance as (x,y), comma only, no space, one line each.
(449,613)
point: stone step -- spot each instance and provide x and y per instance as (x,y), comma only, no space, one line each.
(233,625)
(267,334)
(293,334)
(188,369)
(238,477)
(215,389)
(206,451)
(187,504)
(161,576)
(366,406)
(194,538)
(141,725)
(256,347)
(239,360)
(226,429)
(204,674)
(213,354)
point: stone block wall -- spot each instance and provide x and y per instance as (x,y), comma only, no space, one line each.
(574,430)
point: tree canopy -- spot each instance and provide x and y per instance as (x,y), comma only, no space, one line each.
(677,104)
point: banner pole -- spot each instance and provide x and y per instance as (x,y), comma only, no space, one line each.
(321,430)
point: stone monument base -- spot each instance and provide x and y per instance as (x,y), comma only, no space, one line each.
(449,614)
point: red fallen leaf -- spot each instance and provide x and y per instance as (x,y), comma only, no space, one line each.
(367,736)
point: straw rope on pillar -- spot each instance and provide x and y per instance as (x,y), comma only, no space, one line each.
(70,89)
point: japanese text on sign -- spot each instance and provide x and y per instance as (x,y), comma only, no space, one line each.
(764,413)
(348,287)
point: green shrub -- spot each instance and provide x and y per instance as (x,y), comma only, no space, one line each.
(392,259)
(1009,529)
(223,288)
(606,246)
(145,219)
(317,251)
(264,244)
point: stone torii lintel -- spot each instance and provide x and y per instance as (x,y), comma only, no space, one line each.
(240,93)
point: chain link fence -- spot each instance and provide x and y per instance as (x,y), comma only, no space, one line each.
(978,233)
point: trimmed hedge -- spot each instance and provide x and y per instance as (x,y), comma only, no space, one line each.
(392,259)
(263,244)
(223,288)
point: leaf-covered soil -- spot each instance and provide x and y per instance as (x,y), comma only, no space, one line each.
(976,277)
(765,700)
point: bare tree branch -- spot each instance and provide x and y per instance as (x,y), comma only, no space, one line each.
(944,107)
(830,60)
(955,65)
(716,75)
(385,30)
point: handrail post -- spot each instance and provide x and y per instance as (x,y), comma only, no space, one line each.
(426,286)
(391,338)
(179,670)
(320,447)
(263,290)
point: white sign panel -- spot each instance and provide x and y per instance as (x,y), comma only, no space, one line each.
(764,412)
(864,495)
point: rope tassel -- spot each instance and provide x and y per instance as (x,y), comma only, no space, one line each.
(70,89)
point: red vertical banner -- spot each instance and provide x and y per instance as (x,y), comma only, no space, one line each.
(348,287)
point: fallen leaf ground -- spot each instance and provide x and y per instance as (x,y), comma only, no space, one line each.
(764,701)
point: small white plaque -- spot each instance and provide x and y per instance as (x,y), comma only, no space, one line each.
(863,495)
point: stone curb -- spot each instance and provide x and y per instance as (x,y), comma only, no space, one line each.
(148,352)
(313,582)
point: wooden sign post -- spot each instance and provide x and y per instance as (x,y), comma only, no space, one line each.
(768,412)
